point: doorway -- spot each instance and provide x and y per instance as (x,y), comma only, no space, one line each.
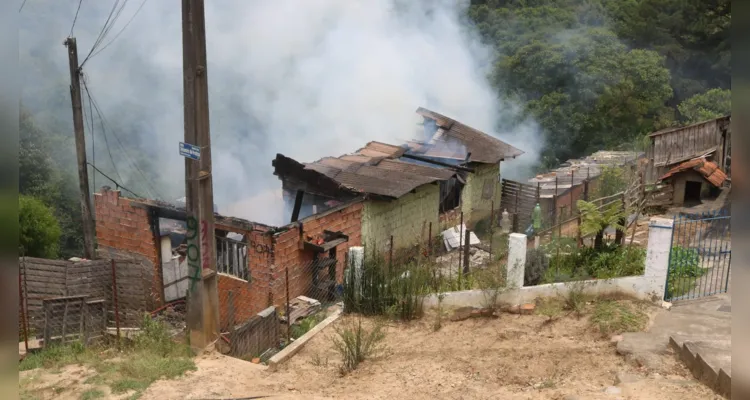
(692,192)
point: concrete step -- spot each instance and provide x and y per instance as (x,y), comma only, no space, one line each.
(710,361)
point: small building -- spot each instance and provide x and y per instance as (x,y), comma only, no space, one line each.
(407,189)
(709,139)
(694,180)
(559,189)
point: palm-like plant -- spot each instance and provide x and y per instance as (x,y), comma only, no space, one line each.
(595,219)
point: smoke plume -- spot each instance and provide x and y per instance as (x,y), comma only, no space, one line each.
(307,79)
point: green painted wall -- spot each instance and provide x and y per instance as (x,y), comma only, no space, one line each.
(407,219)
(473,205)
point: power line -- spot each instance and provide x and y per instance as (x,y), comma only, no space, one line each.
(75,18)
(122,147)
(117,184)
(22,4)
(114,14)
(123,28)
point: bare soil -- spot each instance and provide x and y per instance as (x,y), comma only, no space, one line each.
(510,357)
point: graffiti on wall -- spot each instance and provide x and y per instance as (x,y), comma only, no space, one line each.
(259,248)
(193,252)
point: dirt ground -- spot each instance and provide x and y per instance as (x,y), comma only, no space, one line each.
(510,357)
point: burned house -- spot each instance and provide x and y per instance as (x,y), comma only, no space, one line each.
(405,188)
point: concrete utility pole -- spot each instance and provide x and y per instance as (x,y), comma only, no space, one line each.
(203,299)
(83,174)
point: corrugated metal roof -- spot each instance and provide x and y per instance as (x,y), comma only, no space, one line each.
(483,147)
(375,169)
(707,169)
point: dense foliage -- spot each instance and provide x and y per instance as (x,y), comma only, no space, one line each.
(602,73)
(39,231)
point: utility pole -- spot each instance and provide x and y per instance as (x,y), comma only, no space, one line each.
(203,299)
(83,174)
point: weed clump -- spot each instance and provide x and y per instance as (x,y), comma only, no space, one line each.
(355,343)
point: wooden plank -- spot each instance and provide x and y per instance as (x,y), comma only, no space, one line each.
(44,261)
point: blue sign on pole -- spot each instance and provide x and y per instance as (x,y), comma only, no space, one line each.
(190,151)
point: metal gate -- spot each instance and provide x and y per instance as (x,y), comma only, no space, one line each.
(700,256)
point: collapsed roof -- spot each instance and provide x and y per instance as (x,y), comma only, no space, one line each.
(483,147)
(378,169)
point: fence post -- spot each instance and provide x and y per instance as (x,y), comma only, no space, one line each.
(429,240)
(460,241)
(492,225)
(466,251)
(516,261)
(657,254)
(114,300)
(23,314)
(288,309)
(390,255)
(620,234)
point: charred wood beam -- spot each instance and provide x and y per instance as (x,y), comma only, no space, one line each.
(440,163)
(297,205)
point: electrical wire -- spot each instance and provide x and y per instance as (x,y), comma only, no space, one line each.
(22,4)
(104,132)
(117,184)
(105,124)
(123,28)
(75,18)
(114,14)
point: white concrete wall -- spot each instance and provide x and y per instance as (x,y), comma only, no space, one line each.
(649,286)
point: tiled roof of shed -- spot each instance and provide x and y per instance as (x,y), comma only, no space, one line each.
(375,169)
(707,169)
(483,147)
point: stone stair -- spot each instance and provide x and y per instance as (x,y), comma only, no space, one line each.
(699,332)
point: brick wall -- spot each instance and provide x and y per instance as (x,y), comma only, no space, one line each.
(248,297)
(289,255)
(407,219)
(123,224)
(474,206)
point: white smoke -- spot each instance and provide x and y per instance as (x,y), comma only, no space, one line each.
(305,78)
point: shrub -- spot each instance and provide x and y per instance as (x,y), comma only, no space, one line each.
(354,343)
(684,270)
(537,264)
(380,289)
(306,324)
(39,230)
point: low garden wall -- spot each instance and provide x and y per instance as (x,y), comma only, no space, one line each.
(649,286)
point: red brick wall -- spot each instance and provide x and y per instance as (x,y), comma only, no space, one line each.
(121,224)
(248,298)
(289,256)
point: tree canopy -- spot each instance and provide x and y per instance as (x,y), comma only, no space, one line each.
(39,230)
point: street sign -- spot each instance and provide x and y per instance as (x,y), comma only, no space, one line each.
(190,151)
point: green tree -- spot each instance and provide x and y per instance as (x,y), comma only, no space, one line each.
(709,105)
(39,230)
(595,219)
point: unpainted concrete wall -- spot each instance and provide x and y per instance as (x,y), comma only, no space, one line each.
(473,205)
(407,219)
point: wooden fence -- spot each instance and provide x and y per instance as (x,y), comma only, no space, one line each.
(519,200)
(42,279)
